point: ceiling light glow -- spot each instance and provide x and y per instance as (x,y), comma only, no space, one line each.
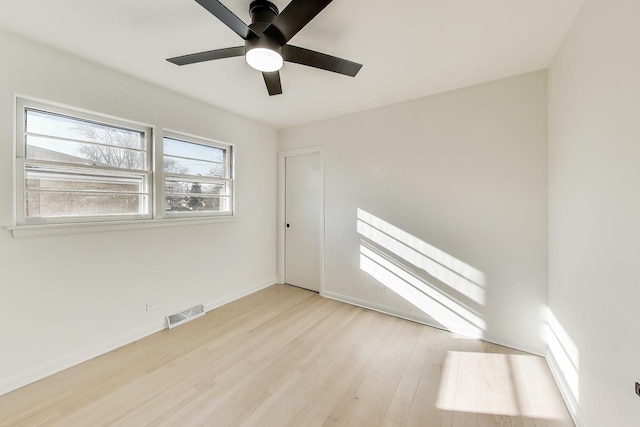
(263,59)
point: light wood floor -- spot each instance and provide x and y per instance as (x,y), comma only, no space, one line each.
(287,357)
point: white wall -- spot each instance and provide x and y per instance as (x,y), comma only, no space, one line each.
(464,172)
(69,297)
(594,206)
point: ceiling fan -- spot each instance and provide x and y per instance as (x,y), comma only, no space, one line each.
(266,40)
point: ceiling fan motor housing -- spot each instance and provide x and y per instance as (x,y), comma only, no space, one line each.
(262,13)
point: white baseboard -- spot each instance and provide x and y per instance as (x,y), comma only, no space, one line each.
(536,351)
(381,308)
(565,391)
(35,374)
(240,294)
(423,319)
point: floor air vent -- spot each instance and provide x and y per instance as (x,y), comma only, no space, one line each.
(184,316)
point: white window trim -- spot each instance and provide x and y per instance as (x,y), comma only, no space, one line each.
(24,231)
(183,136)
(156,218)
(20,159)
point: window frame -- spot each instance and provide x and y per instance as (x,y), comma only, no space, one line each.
(23,105)
(230,181)
(153,174)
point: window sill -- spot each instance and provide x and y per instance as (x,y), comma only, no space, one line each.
(25,231)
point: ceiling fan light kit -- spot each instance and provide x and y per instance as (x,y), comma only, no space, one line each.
(266,40)
(264,59)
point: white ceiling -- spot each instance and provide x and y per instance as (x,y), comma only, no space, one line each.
(409,48)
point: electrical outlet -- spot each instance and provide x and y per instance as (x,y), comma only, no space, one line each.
(379,288)
(638,389)
(152,305)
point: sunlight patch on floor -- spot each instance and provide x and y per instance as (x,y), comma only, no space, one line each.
(499,384)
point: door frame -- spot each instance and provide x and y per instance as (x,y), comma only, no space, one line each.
(282,157)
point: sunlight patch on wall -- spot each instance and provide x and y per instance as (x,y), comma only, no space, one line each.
(449,313)
(564,353)
(454,273)
(489,383)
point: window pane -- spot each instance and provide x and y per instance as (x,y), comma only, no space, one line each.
(60,193)
(41,148)
(194,167)
(173,147)
(51,180)
(67,127)
(198,177)
(61,204)
(183,196)
(197,203)
(188,188)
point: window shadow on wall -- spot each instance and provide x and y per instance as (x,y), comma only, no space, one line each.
(443,287)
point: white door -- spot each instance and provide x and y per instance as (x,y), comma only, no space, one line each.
(303,204)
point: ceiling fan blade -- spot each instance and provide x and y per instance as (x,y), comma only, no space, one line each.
(323,61)
(272,80)
(294,17)
(227,17)
(209,55)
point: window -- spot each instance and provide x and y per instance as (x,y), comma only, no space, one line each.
(78,167)
(197,176)
(75,167)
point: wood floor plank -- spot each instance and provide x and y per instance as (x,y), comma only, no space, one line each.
(287,357)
